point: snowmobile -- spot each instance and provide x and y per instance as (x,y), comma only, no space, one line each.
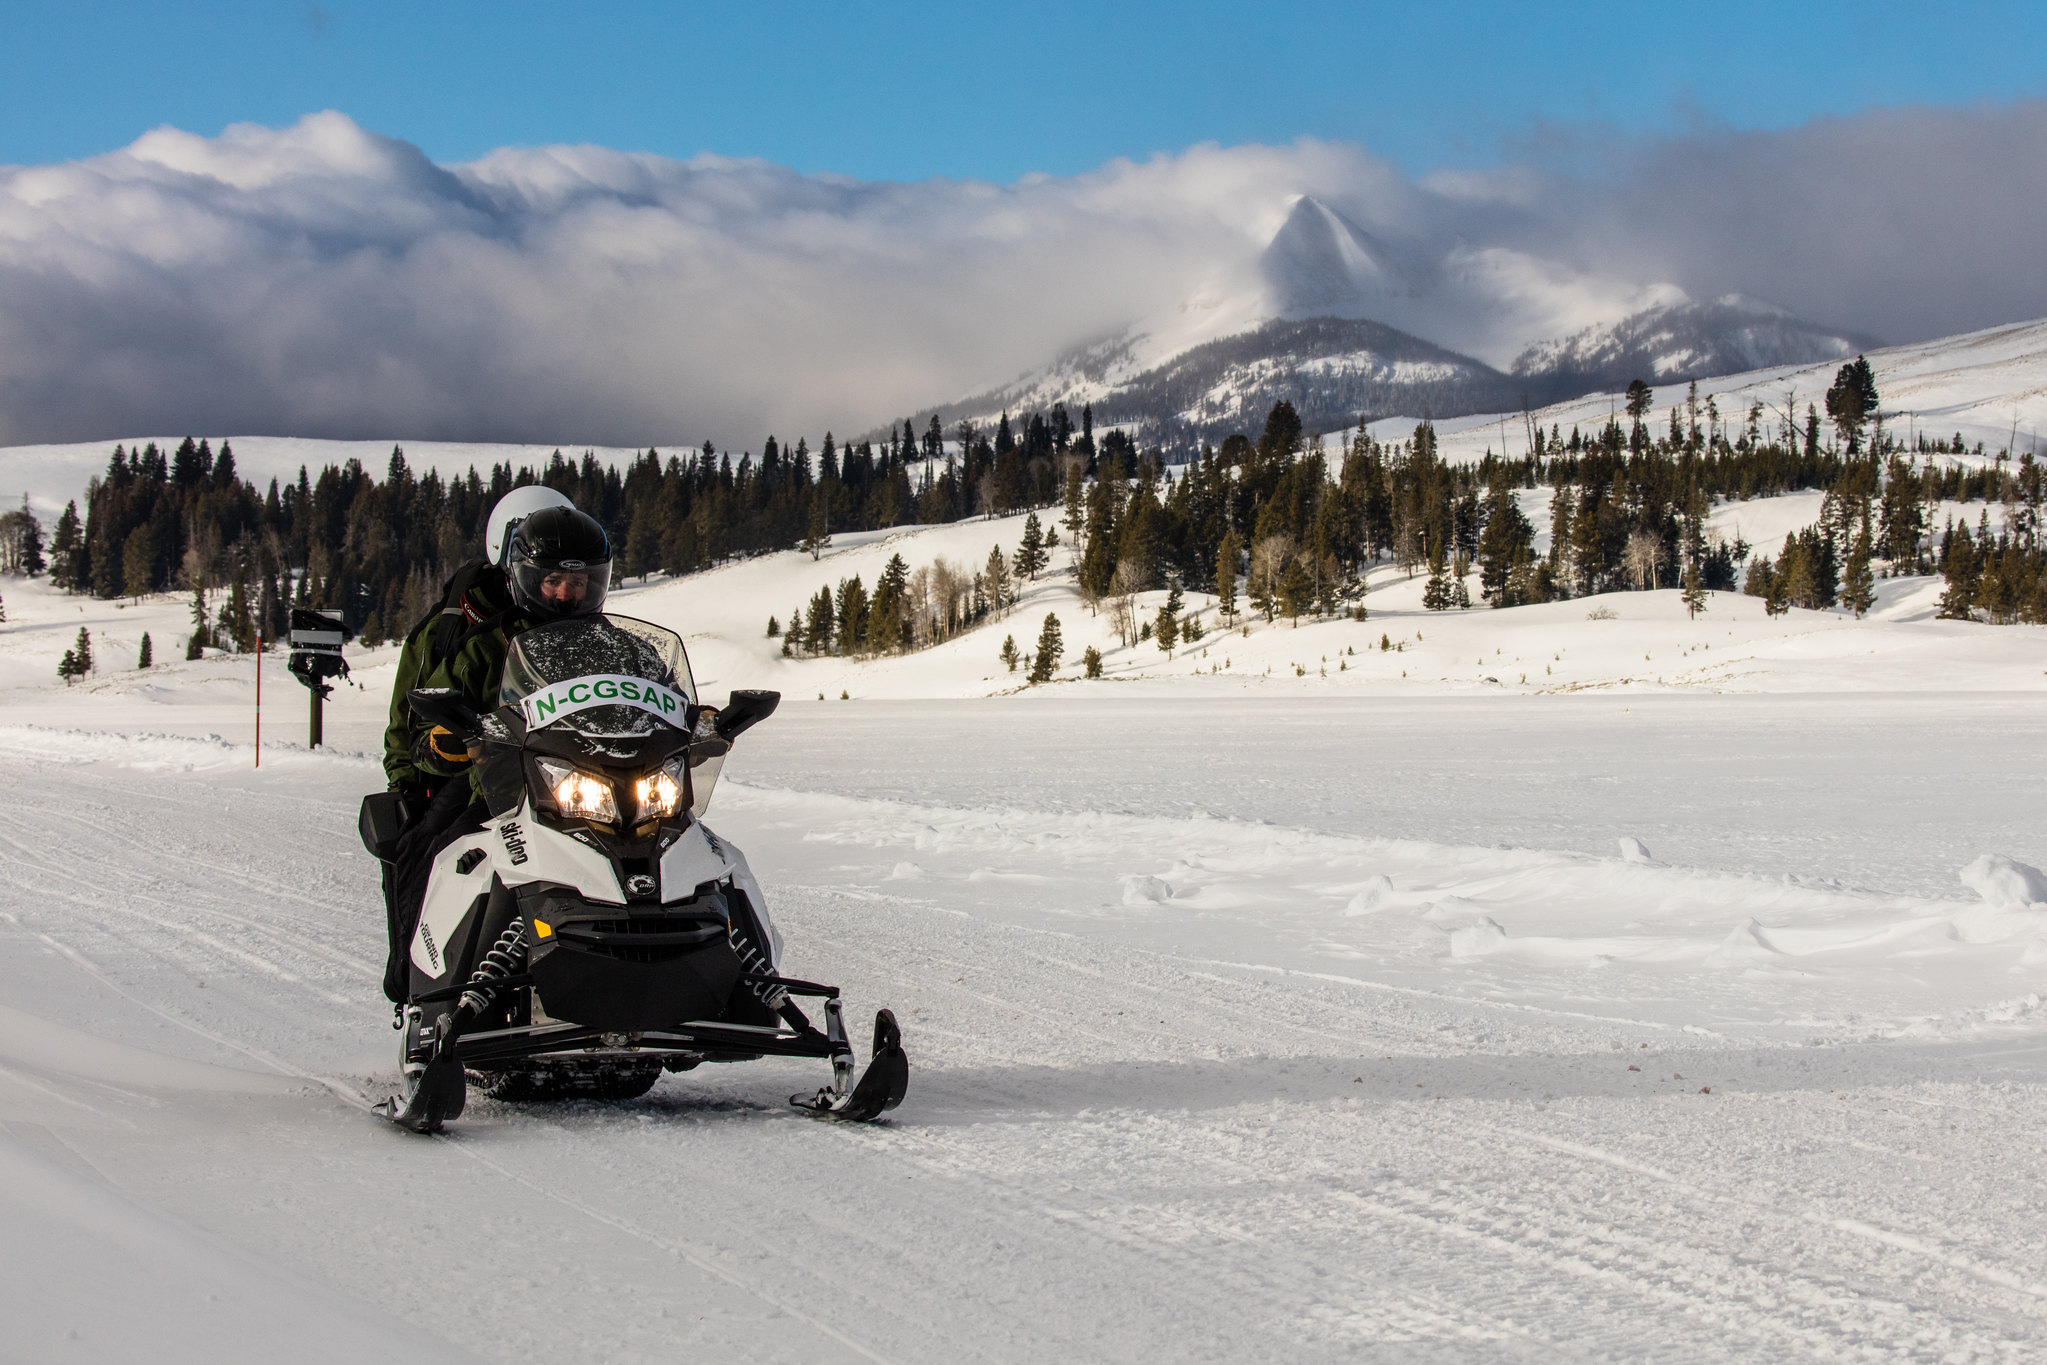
(595,932)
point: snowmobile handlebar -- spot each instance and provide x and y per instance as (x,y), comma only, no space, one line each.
(444,706)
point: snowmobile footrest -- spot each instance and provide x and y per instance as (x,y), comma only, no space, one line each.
(881,1087)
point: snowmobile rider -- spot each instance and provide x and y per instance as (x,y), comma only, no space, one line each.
(549,562)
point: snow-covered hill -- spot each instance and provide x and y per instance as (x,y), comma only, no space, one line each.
(1680,341)
(1988,387)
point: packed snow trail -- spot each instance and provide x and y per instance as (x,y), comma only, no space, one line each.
(1135,1131)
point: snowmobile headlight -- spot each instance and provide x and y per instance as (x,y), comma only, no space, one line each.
(580,795)
(659,793)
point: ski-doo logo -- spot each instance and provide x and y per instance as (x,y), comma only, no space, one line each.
(556,700)
(515,846)
(433,949)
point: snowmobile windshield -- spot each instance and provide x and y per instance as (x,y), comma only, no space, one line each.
(604,676)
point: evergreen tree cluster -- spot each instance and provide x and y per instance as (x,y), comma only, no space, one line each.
(21,542)
(77,660)
(907,609)
(380,550)
(2002,576)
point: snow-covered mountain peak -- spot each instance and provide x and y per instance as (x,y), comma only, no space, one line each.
(1404,323)
(1321,264)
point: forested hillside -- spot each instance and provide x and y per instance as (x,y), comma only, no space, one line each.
(1292,521)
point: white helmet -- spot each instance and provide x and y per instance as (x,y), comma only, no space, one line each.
(513,508)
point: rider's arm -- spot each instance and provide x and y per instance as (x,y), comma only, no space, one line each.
(399,766)
(472,672)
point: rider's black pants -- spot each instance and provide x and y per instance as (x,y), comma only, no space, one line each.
(452,813)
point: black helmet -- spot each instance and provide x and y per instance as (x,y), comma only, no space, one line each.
(559,564)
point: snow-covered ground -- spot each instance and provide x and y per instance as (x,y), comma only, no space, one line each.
(1548,988)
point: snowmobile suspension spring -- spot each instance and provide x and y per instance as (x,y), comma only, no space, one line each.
(500,962)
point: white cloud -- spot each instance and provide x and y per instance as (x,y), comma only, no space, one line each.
(323,280)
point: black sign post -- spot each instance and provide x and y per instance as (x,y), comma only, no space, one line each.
(316,640)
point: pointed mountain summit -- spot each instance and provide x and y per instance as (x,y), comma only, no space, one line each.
(1321,264)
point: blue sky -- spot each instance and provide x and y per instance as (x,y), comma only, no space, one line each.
(908,92)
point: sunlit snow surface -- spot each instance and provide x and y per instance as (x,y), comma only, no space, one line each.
(1685,1007)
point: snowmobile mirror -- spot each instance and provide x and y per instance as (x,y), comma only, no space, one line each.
(745,709)
(444,706)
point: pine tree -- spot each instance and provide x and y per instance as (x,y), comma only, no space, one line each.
(67,667)
(236,625)
(1076,500)
(196,645)
(1757,582)
(65,546)
(817,635)
(1436,592)
(1506,539)
(850,607)
(1776,589)
(1960,567)
(1226,574)
(1091,661)
(1692,536)
(888,614)
(1050,646)
(1296,590)
(82,651)
(1167,629)
(1858,583)
(1797,575)
(774,626)
(1030,552)
(1694,594)
(996,578)
(1010,653)
(23,534)
(144,659)
(818,535)
(1851,401)
(138,561)
(1640,396)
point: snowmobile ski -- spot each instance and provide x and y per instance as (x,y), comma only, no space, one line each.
(881,1086)
(439,1091)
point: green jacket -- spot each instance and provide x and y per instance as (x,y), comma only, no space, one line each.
(477,624)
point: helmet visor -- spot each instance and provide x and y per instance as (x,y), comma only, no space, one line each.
(556,592)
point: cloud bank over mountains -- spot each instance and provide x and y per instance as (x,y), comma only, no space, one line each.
(324,280)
